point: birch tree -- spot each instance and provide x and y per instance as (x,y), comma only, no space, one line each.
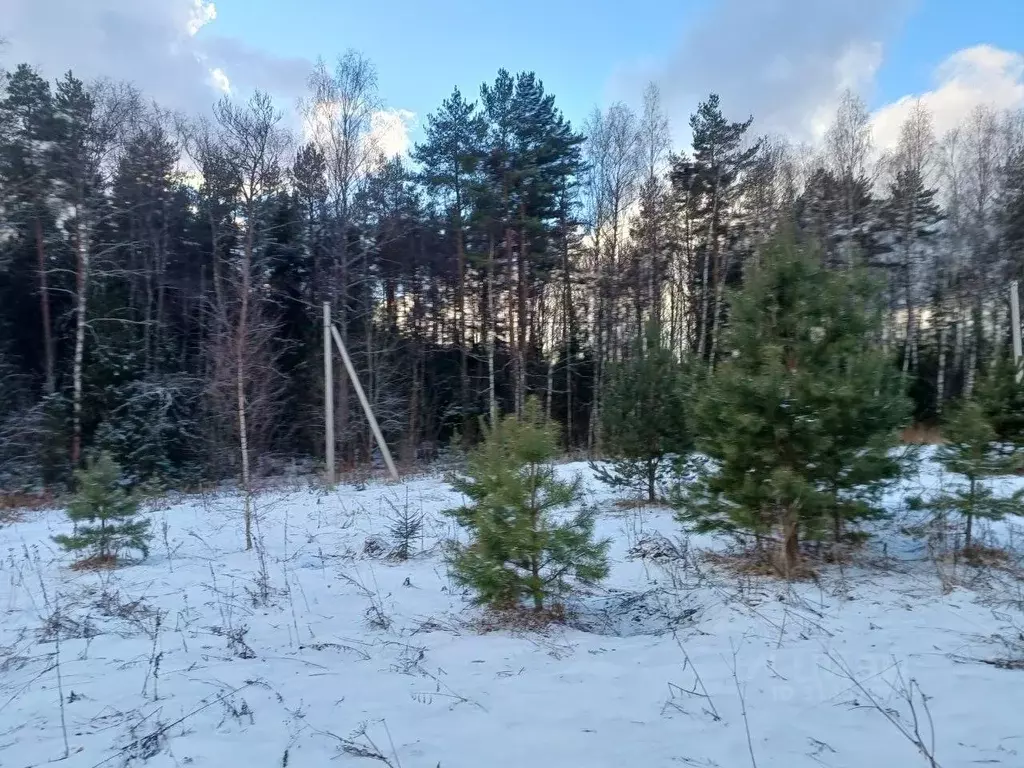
(254,144)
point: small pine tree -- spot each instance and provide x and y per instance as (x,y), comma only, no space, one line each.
(972,450)
(405,525)
(517,549)
(104,515)
(1002,400)
(797,421)
(644,417)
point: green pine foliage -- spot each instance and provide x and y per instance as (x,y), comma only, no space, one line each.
(972,450)
(1002,400)
(798,423)
(526,541)
(105,516)
(645,424)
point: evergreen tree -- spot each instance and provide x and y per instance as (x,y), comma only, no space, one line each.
(27,183)
(909,226)
(972,450)
(1002,400)
(1013,208)
(721,156)
(450,159)
(842,215)
(645,417)
(785,453)
(518,548)
(105,516)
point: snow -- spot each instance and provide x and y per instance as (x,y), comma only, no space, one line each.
(331,654)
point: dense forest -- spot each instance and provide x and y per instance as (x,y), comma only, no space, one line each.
(162,276)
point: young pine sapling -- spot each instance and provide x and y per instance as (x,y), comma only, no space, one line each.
(105,516)
(973,451)
(521,548)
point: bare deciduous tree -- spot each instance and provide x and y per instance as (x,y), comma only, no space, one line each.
(253,144)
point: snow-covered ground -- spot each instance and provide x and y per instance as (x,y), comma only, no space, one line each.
(314,651)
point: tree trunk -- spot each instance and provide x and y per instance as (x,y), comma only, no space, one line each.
(81,288)
(240,350)
(460,304)
(492,394)
(702,320)
(790,554)
(940,383)
(717,310)
(972,358)
(522,320)
(414,410)
(49,350)
(710,256)
(837,520)
(538,594)
(567,324)
(907,351)
(550,388)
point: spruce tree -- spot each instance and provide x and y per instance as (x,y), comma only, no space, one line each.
(798,421)
(644,417)
(972,450)
(519,549)
(105,516)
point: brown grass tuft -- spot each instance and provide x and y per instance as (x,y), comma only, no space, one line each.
(13,504)
(519,619)
(95,563)
(635,503)
(981,555)
(921,434)
(763,562)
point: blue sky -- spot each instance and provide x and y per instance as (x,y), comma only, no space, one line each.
(784,61)
(421,54)
(937,28)
(581,48)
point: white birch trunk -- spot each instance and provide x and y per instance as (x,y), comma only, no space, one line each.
(940,383)
(243,432)
(81,287)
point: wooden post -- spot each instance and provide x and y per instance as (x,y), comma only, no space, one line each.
(365,403)
(328,398)
(1015,322)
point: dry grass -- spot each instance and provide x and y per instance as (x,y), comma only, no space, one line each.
(519,619)
(14,504)
(10,515)
(95,563)
(921,434)
(635,503)
(982,555)
(760,562)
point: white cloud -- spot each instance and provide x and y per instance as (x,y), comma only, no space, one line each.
(219,80)
(167,47)
(786,62)
(855,70)
(201,15)
(390,129)
(973,77)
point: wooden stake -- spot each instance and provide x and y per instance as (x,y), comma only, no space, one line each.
(328,397)
(365,403)
(1015,321)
